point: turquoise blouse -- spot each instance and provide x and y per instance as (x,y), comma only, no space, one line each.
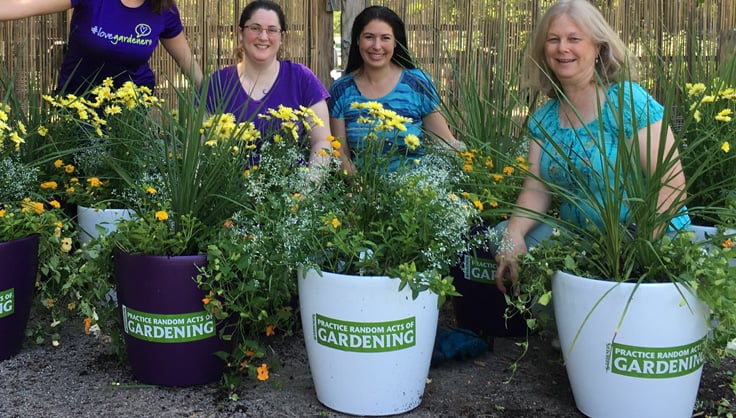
(579,147)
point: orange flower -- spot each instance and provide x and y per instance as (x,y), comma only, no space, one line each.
(263,372)
(161,215)
(58,163)
(68,169)
(228,224)
(94,182)
(87,325)
(270,330)
(728,243)
(49,185)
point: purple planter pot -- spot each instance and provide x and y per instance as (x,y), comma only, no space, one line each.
(482,306)
(169,338)
(18,268)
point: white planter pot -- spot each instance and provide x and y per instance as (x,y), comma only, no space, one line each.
(650,367)
(369,345)
(89,218)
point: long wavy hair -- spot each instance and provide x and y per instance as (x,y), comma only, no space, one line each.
(401,53)
(615,61)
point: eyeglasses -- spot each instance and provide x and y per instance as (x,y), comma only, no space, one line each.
(255,29)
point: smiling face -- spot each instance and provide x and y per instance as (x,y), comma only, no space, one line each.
(569,52)
(261,45)
(376,44)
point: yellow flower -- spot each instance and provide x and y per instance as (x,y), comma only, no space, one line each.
(478,204)
(335,223)
(411,141)
(2,213)
(58,163)
(55,204)
(162,215)
(150,190)
(724,115)
(726,147)
(94,182)
(49,185)
(42,130)
(263,372)
(66,245)
(508,170)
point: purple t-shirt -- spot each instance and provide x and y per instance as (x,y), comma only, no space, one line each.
(295,85)
(108,39)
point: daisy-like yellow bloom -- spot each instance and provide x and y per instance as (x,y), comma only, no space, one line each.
(66,245)
(42,130)
(335,223)
(55,204)
(322,153)
(695,89)
(2,213)
(36,207)
(162,215)
(412,141)
(334,142)
(725,147)
(263,372)
(151,190)
(508,170)
(478,204)
(708,99)
(52,185)
(724,115)
(94,182)
(697,116)
(58,163)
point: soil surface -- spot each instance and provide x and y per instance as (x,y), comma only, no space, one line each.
(81,378)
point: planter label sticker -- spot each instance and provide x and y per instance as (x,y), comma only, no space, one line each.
(655,363)
(364,337)
(479,269)
(7,302)
(176,328)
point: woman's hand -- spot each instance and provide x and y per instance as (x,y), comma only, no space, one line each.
(507,255)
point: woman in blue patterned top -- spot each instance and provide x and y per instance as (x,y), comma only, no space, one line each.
(579,61)
(379,69)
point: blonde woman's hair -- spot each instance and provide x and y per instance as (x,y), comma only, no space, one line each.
(615,61)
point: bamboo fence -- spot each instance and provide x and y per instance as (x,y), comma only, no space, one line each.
(467,34)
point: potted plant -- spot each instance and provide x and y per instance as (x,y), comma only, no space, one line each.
(36,239)
(637,309)
(374,251)
(485,112)
(198,200)
(92,130)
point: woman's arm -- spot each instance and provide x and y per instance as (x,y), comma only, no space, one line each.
(436,124)
(178,48)
(337,126)
(319,145)
(534,197)
(673,188)
(19,9)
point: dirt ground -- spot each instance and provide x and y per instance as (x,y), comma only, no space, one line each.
(80,378)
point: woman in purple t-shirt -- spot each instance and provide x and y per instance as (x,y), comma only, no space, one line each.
(259,81)
(112,38)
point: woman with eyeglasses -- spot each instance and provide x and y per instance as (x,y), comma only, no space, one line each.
(112,38)
(380,69)
(260,81)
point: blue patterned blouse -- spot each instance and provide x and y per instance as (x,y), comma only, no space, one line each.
(414,96)
(579,147)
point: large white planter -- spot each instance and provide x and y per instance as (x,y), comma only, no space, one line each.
(369,345)
(89,218)
(651,366)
